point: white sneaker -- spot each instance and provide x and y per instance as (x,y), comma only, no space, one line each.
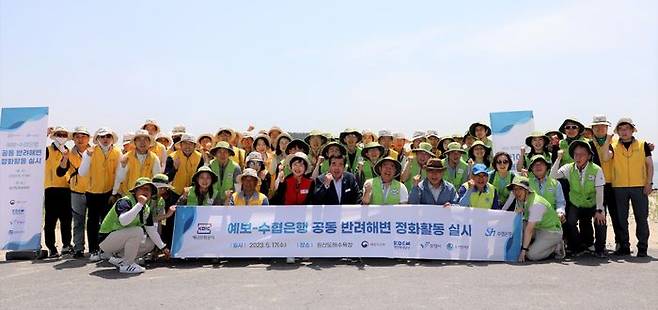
(115,261)
(560,251)
(98,256)
(132,268)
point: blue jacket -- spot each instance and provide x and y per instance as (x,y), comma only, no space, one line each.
(421,194)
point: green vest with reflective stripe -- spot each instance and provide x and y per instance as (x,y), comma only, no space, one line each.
(460,176)
(225,183)
(583,195)
(393,197)
(482,200)
(193,200)
(550,188)
(414,170)
(368,170)
(550,220)
(353,167)
(111,221)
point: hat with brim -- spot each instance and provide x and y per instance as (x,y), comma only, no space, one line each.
(204,135)
(265,138)
(456,136)
(325,149)
(104,131)
(186,137)
(538,158)
(520,181)
(627,121)
(141,133)
(555,132)
(577,143)
(432,133)
(222,145)
(580,125)
(316,133)
(273,129)
(127,137)
(163,136)
(471,129)
(487,149)
(454,147)
(290,158)
(80,129)
(225,129)
(398,166)
(400,136)
(536,134)
(249,172)
(178,130)
(425,148)
(435,164)
(368,132)
(440,147)
(204,169)
(60,129)
(372,145)
(479,169)
(151,122)
(599,119)
(299,144)
(418,135)
(384,133)
(144,181)
(161,181)
(281,136)
(349,131)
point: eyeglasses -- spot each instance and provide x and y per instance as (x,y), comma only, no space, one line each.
(61,135)
(106,137)
(502,162)
(571,127)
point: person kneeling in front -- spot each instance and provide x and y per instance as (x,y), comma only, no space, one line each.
(123,229)
(543,231)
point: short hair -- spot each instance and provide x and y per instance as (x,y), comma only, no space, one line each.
(332,158)
(296,159)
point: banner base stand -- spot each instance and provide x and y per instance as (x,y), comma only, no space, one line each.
(26,255)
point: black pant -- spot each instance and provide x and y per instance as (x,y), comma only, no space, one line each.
(168,228)
(97,209)
(57,205)
(585,237)
(611,205)
(640,205)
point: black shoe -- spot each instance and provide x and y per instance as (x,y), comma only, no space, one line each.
(600,254)
(52,253)
(78,254)
(67,250)
(642,253)
(622,252)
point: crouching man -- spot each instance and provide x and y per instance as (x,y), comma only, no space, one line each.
(127,232)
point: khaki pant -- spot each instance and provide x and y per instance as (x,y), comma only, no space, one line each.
(128,243)
(543,244)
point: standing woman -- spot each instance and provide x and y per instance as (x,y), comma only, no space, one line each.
(262,146)
(280,144)
(501,176)
(479,153)
(538,144)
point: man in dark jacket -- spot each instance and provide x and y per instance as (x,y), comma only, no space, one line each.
(337,187)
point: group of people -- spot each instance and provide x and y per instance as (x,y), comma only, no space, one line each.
(123,193)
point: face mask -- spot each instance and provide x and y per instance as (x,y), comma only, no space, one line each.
(105,148)
(60,141)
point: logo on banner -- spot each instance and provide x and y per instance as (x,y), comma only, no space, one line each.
(367,243)
(204,228)
(490,232)
(429,245)
(401,244)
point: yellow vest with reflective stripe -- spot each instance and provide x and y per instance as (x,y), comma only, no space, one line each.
(629,168)
(482,200)
(103,169)
(50,177)
(78,183)
(186,169)
(137,170)
(239,156)
(239,200)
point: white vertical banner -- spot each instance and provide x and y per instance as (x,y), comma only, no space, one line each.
(509,130)
(22,159)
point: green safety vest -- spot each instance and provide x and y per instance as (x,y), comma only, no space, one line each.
(193,200)
(368,170)
(482,200)
(393,197)
(564,146)
(414,170)
(461,173)
(111,221)
(353,167)
(225,183)
(501,186)
(549,191)
(550,220)
(583,195)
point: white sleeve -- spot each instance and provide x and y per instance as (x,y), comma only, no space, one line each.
(84,166)
(128,216)
(120,175)
(404,194)
(162,161)
(157,169)
(509,202)
(560,172)
(536,212)
(600,179)
(152,231)
(599,198)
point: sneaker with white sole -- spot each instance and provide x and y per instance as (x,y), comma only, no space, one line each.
(132,268)
(115,261)
(560,251)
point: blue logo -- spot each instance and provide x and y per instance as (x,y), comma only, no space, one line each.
(490,232)
(204,228)
(450,246)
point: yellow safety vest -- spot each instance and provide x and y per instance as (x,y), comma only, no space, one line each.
(103,169)
(186,169)
(50,177)
(239,200)
(78,183)
(629,168)
(137,170)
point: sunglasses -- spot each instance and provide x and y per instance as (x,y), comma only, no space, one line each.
(570,127)
(61,135)
(106,137)
(502,162)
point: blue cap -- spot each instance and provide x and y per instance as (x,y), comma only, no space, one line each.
(479,168)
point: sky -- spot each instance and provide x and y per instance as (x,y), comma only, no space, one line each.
(301,65)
